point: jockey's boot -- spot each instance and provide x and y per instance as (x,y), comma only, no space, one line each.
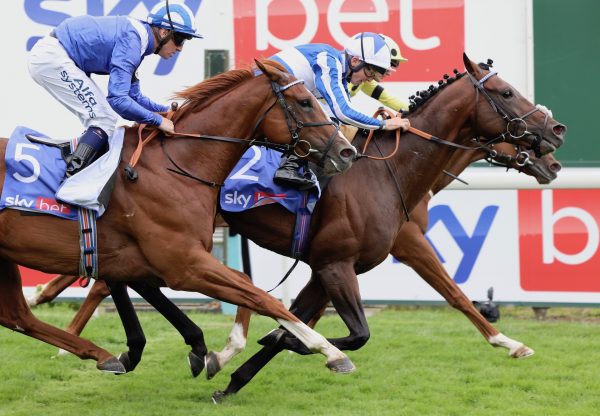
(91,145)
(288,173)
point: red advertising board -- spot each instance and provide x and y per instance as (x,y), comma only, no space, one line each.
(33,277)
(431,33)
(559,240)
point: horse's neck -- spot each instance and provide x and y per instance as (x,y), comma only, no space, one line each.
(459,161)
(425,161)
(223,117)
(419,162)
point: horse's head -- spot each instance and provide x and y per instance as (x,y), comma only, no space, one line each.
(298,118)
(543,169)
(502,113)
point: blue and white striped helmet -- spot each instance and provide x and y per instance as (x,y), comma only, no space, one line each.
(371,48)
(173,16)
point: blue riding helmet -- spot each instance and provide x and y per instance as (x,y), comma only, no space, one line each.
(173,16)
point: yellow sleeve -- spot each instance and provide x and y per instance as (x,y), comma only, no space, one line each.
(353,89)
(376,91)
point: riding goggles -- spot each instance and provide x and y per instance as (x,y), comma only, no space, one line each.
(179,38)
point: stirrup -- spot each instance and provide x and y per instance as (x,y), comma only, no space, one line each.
(82,157)
(288,177)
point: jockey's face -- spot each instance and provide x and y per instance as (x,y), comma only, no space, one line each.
(170,48)
(366,73)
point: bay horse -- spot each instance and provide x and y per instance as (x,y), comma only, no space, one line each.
(356,225)
(277,223)
(160,227)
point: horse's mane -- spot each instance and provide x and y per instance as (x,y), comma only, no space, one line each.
(198,96)
(417,100)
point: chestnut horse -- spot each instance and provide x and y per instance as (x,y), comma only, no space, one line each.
(160,227)
(278,223)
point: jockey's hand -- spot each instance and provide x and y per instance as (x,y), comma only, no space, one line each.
(395,123)
(167,126)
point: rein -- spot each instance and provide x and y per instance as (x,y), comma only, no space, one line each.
(383,111)
(284,148)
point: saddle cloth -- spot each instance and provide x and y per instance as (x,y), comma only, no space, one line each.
(34,172)
(250,184)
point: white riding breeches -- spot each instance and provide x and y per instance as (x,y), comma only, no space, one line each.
(52,68)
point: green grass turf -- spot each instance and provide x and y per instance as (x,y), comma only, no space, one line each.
(419,361)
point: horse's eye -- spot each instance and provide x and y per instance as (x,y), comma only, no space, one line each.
(305,103)
(507,94)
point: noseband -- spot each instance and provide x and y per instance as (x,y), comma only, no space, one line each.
(513,122)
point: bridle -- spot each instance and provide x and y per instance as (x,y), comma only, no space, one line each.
(514,123)
(294,124)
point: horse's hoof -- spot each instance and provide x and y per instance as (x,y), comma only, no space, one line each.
(124,359)
(272,337)
(212,365)
(196,364)
(342,365)
(218,396)
(112,365)
(522,352)
(62,353)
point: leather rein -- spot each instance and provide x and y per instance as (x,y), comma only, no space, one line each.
(294,129)
(521,159)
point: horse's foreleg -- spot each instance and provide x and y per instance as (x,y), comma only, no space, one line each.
(98,292)
(339,283)
(214,279)
(236,342)
(308,306)
(190,332)
(16,315)
(341,286)
(51,289)
(413,249)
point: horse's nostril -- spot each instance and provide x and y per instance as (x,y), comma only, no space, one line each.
(559,129)
(347,153)
(555,167)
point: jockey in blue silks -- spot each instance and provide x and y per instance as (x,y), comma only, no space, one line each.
(63,61)
(326,72)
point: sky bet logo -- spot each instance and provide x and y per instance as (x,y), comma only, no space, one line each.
(469,245)
(36,12)
(41,204)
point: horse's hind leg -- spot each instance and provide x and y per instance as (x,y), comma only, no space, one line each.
(16,315)
(52,289)
(212,278)
(97,293)
(136,340)
(236,342)
(190,332)
(413,249)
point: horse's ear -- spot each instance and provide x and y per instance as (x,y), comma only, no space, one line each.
(272,73)
(260,65)
(469,65)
